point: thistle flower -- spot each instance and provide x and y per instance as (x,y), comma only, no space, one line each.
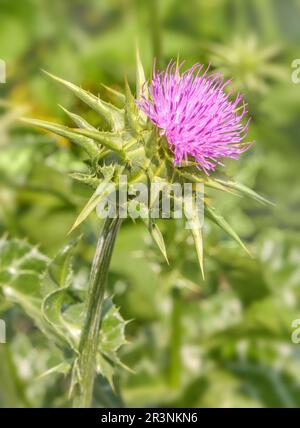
(196,116)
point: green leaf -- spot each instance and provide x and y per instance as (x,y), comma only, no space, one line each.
(56,303)
(215,184)
(131,111)
(222,223)
(158,238)
(113,116)
(197,235)
(196,231)
(112,338)
(106,368)
(141,85)
(102,192)
(118,96)
(60,268)
(85,142)
(88,179)
(140,77)
(112,334)
(62,368)
(22,268)
(244,190)
(51,309)
(78,120)
(110,140)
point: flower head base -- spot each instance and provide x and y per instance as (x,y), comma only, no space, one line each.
(195,114)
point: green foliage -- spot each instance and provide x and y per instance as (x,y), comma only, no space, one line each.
(46,291)
(232,345)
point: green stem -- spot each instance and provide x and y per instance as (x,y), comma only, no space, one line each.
(175,363)
(92,323)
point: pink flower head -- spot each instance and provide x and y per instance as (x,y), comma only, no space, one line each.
(196,116)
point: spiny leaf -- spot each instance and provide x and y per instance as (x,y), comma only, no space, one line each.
(85,142)
(245,191)
(95,199)
(60,267)
(113,116)
(118,96)
(63,368)
(214,184)
(86,179)
(112,335)
(157,237)
(195,226)
(60,272)
(140,77)
(78,120)
(102,192)
(141,85)
(131,112)
(110,140)
(198,240)
(221,222)
(207,181)
(106,368)
(22,269)
(52,310)
(112,338)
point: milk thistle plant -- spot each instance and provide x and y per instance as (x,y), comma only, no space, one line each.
(176,128)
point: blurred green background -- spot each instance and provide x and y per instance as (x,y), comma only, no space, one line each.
(225,342)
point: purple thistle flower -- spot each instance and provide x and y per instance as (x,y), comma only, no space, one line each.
(195,114)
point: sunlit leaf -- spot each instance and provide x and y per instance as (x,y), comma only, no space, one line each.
(101,193)
(85,142)
(158,238)
(78,120)
(244,190)
(222,223)
(113,116)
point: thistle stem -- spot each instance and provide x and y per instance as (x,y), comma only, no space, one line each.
(92,323)
(175,362)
